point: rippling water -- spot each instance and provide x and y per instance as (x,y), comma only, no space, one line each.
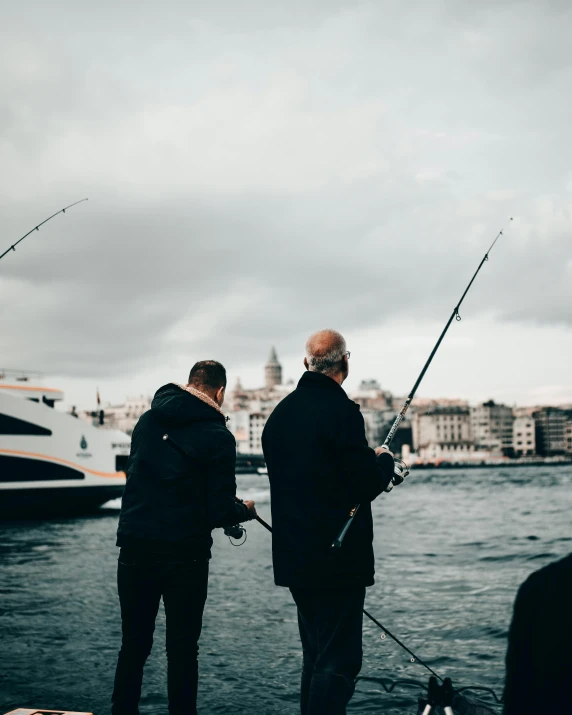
(451,549)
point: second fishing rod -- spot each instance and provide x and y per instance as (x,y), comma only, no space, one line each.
(401,469)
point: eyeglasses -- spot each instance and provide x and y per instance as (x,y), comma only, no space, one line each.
(347,354)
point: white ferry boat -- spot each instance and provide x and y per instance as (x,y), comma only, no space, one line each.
(52,462)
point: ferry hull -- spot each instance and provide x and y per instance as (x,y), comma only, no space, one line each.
(52,463)
(63,501)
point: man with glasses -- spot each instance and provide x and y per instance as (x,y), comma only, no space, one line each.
(319,466)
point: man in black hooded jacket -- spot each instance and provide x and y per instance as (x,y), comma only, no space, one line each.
(170,505)
(319,467)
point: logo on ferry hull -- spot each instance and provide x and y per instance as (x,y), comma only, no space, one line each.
(83,442)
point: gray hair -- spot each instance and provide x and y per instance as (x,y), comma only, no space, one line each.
(325,351)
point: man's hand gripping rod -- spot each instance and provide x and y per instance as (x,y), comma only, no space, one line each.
(171,442)
(401,469)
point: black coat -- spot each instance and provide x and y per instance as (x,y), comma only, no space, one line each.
(538,671)
(171,503)
(319,466)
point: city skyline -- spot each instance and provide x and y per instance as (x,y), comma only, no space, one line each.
(433,431)
(350,386)
(82,393)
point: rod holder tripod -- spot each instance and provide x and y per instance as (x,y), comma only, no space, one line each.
(439,695)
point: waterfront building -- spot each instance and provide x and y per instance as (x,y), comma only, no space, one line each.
(123,417)
(248,409)
(493,428)
(379,408)
(568,436)
(256,422)
(247,430)
(550,431)
(370,396)
(443,433)
(238,424)
(375,424)
(428,403)
(523,436)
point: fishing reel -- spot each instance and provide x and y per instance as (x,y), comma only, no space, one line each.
(400,471)
(237,531)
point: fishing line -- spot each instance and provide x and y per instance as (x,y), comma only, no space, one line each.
(385,631)
(414,657)
(232,531)
(232,536)
(401,469)
(37,228)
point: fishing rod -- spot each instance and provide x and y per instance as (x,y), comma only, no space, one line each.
(37,228)
(177,447)
(399,643)
(401,469)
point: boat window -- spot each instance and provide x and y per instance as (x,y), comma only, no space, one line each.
(23,469)
(13,425)
(121,462)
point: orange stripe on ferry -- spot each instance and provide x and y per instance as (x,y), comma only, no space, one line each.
(29,387)
(48,458)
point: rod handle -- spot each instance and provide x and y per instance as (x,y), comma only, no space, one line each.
(338,541)
(264,523)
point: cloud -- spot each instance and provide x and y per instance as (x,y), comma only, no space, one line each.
(255,174)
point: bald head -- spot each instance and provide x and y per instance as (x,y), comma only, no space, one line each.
(326,353)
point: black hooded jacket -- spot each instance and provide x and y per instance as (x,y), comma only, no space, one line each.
(172,502)
(319,466)
(538,655)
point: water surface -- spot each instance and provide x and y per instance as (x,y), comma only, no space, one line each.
(452,547)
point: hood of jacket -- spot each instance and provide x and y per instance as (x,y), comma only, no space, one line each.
(173,405)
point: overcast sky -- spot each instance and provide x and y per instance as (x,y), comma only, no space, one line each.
(257,170)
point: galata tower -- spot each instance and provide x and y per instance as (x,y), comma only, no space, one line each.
(272,371)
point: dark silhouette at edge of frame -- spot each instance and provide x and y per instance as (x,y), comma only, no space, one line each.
(537,660)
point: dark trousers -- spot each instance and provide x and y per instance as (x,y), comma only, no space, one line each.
(141,581)
(330,623)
